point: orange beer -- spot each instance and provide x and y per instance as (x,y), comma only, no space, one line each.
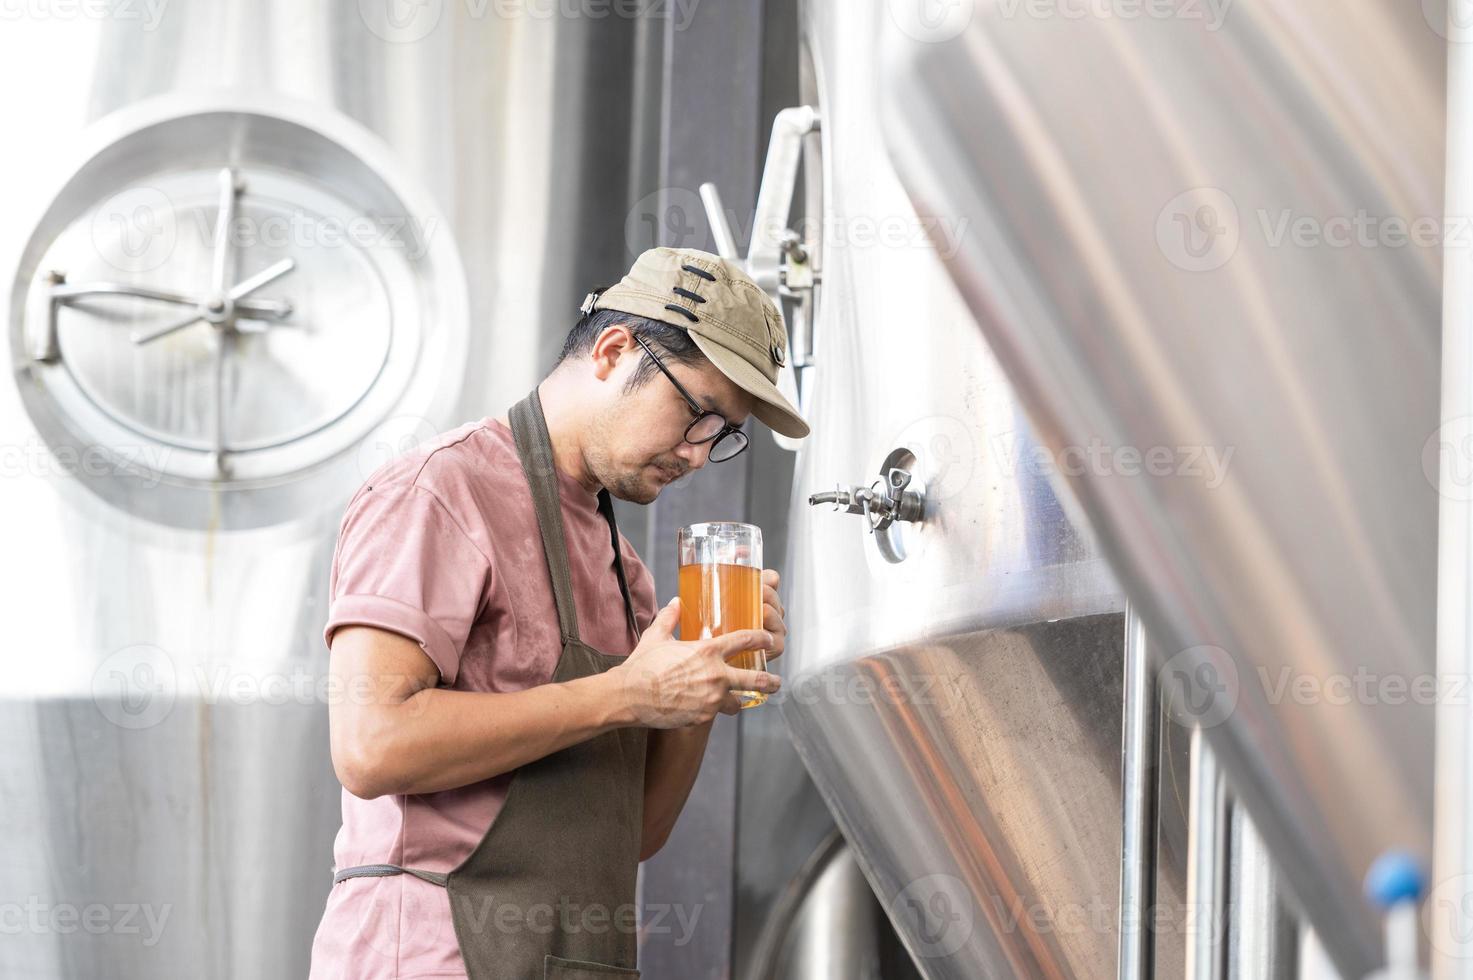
(721,589)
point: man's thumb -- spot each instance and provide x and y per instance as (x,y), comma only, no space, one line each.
(666,619)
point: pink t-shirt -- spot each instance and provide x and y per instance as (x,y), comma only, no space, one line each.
(442,546)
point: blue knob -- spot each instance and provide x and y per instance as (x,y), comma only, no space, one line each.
(1395,877)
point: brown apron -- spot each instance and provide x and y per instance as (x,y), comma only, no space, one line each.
(549,890)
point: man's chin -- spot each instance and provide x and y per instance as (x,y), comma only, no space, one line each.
(640,491)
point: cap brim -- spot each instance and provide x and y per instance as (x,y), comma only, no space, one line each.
(772,409)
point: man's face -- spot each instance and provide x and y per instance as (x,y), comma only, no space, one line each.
(638,445)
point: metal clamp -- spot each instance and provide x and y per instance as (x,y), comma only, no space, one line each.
(777,258)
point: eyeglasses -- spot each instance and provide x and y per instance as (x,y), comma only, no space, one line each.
(726,440)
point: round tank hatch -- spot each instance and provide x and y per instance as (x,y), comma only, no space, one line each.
(232,300)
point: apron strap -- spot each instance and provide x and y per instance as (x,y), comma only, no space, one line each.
(606,507)
(385,870)
(534,446)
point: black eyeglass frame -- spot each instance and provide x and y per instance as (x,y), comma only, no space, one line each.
(727,429)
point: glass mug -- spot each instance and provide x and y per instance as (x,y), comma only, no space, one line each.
(721,588)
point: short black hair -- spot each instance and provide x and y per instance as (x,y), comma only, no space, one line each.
(671,342)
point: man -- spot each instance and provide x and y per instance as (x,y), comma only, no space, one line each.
(510,743)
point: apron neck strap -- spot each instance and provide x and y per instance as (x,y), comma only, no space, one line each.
(534,447)
(606,507)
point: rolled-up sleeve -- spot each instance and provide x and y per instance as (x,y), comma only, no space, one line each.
(404,564)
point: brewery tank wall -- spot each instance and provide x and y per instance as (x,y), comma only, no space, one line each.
(1252,274)
(954,682)
(164,720)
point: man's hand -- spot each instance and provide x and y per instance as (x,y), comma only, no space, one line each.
(670,683)
(773,613)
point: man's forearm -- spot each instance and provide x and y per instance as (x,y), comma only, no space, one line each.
(438,739)
(672,762)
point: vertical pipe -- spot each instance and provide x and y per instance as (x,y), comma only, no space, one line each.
(1138,754)
(1206,853)
(1263,943)
(1314,962)
(1453,823)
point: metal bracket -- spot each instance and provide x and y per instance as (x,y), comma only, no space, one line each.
(777,258)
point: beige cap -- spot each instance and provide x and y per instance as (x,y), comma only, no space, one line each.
(734,323)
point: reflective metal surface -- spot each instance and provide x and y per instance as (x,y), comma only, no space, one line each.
(166,775)
(1192,236)
(368,291)
(1263,937)
(956,694)
(1140,748)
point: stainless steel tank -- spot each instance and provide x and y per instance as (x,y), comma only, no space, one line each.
(407,192)
(954,684)
(1213,232)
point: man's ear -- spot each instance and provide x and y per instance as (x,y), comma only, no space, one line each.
(609,347)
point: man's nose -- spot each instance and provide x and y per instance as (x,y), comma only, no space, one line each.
(695,455)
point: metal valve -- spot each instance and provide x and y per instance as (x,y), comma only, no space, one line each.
(882,503)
